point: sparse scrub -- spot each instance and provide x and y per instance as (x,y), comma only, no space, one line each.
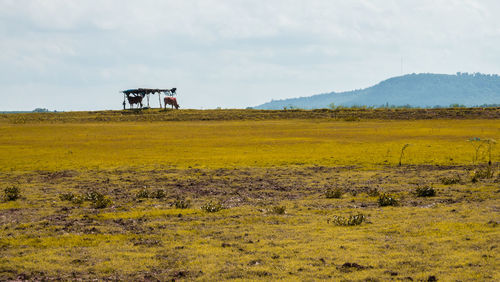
(157,194)
(73,198)
(181,203)
(12,193)
(212,206)
(373,192)
(352,220)
(145,194)
(142,194)
(251,166)
(97,200)
(387,200)
(335,193)
(482,173)
(78,200)
(450,180)
(425,191)
(278,209)
(66,196)
(101,202)
(478,143)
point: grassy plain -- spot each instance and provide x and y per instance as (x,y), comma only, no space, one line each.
(250,166)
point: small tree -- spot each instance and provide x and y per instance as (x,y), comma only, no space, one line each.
(478,143)
(402,152)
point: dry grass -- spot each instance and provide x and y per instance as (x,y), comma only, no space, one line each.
(250,168)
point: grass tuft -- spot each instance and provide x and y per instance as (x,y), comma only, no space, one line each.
(425,191)
(352,220)
(387,200)
(335,193)
(181,203)
(212,206)
(278,209)
(12,193)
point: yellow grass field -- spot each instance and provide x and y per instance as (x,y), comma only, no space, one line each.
(131,200)
(208,144)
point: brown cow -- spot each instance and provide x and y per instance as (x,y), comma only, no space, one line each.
(171,101)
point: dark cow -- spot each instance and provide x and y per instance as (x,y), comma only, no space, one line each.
(171,101)
(134,100)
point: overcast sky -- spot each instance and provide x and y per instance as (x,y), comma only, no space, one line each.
(78,55)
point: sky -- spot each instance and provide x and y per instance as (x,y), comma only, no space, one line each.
(71,55)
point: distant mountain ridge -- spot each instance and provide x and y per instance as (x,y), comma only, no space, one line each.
(416,90)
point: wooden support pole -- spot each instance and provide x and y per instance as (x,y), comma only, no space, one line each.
(148,100)
(159,98)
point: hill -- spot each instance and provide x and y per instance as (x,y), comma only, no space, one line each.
(415,90)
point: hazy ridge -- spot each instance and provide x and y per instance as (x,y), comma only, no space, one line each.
(416,90)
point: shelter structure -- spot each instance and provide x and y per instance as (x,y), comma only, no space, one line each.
(135,96)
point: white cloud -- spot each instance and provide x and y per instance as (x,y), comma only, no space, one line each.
(232,53)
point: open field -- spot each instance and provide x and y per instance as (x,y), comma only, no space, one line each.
(124,196)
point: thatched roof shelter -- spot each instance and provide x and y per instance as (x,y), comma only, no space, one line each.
(140,93)
(146,91)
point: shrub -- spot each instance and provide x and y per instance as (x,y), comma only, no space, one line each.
(352,220)
(182,204)
(142,194)
(212,206)
(334,193)
(92,196)
(67,196)
(425,191)
(373,192)
(482,173)
(101,202)
(387,200)
(12,193)
(77,200)
(158,194)
(278,210)
(450,180)
(98,200)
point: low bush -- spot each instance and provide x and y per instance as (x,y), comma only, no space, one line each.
(66,196)
(101,202)
(387,200)
(372,192)
(212,206)
(77,200)
(352,220)
(97,200)
(425,191)
(74,198)
(482,173)
(92,196)
(158,194)
(278,210)
(145,194)
(142,194)
(335,193)
(12,193)
(450,180)
(181,203)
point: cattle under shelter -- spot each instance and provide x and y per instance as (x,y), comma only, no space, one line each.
(135,96)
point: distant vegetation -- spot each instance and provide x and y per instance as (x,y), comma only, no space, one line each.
(37,110)
(409,91)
